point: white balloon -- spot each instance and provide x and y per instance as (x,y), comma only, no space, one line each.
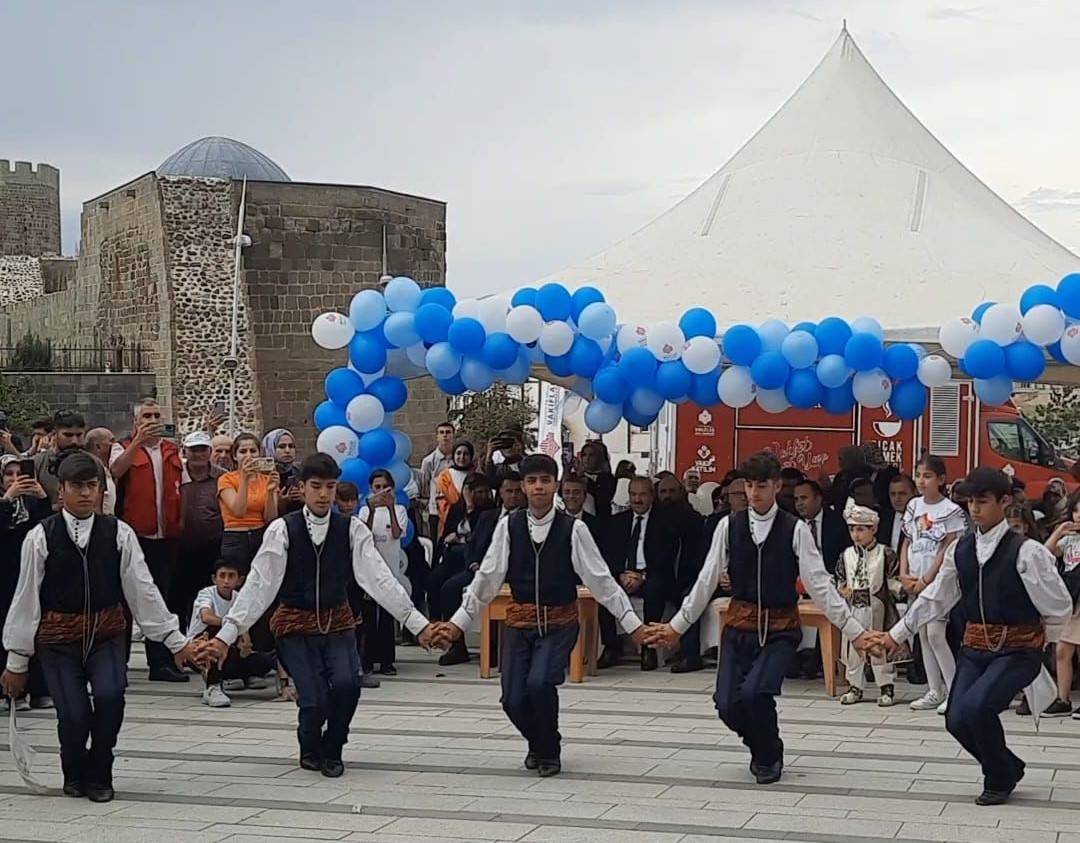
(773,400)
(1070,344)
(1044,324)
(701,355)
(524,323)
(1002,323)
(556,338)
(867,325)
(573,403)
(332,330)
(339,442)
(631,336)
(467,308)
(417,355)
(365,412)
(872,389)
(493,313)
(665,340)
(934,371)
(957,334)
(736,387)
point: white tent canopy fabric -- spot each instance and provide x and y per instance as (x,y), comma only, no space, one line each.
(842,204)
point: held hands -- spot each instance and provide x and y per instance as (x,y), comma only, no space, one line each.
(878,644)
(212,652)
(660,635)
(439,635)
(188,656)
(14,684)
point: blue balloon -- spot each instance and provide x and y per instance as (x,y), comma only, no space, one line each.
(636,417)
(402,445)
(673,380)
(646,401)
(466,335)
(638,367)
(366,353)
(391,391)
(803,389)
(742,344)
(900,361)
(582,298)
(585,357)
(440,296)
(1068,291)
(518,371)
(559,365)
(476,375)
(770,370)
(832,335)
(401,473)
(432,322)
(329,414)
(962,366)
(799,349)
(402,497)
(908,399)
(601,417)
(526,295)
(400,329)
(703,389)
(839,400)
(984,359)
(1055,352)
(402,294)
(597,321)
(442,361)
(452,385)
(356,470)
(698,322)
(980,309)
(1024,361)
(500,350)
(343,385)
(994,391)
(833,371)
(863,352)
(610,386)
(410,530)
(554,303)
(1038,294)
(387,422)
(772,333)
(367,310)
(377,447)
(809,327)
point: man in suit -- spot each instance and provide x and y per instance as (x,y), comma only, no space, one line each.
(642,548)
(574,491)
(901,491)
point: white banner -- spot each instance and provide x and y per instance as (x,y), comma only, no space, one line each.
(549,430)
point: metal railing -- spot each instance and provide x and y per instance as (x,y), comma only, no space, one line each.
(49,357)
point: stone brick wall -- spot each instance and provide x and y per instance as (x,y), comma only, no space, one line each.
(29,209)
(20,278)
(105,399)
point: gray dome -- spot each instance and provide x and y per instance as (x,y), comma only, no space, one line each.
(222,158)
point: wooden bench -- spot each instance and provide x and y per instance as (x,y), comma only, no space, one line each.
(582,657)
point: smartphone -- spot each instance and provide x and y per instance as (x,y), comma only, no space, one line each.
(284,479)
(264,465)
(218,410)
(168,430)
(27,468)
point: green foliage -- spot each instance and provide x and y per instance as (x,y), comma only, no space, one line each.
(18,400)
(484,414)
(1058,419)
(31,354)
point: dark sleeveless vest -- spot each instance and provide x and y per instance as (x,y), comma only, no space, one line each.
(551,583)
(334,565)
(779,563)
(64,588)
(1004,598)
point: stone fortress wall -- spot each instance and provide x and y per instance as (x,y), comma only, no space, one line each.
(29,209)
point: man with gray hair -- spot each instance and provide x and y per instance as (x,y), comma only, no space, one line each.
(99,442)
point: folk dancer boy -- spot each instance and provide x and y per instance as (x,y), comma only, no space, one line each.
(305,561)
(762,552)
(77,570)
(540,552)
(1011,596)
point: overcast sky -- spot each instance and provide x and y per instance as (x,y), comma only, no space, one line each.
(551,127)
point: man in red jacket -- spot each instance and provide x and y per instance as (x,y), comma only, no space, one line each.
(148,473)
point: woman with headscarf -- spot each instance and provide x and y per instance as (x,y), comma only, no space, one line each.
(451,481)
(23,505)
(280,445)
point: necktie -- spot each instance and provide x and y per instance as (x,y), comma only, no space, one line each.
(813,532)
(635,541)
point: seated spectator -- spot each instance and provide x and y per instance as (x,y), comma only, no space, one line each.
(347,498)
(790,478)
(212,603)
(249,502)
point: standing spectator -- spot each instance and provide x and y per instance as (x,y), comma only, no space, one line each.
(595,465)
(449,484)
(10,443)
(100,442)
(249,502)
(69,432)
(24,505)
(790,478)
(852,467)
(506,450)
(221,448)
(625,471)
(148,473)
(891,530)
(461,519)
(827,526)
(881,473)
(280,445)
(41,437)
(431,467)
(201,524)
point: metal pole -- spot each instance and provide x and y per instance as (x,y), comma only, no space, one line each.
(234,360)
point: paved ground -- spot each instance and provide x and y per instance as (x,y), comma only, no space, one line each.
(646,760)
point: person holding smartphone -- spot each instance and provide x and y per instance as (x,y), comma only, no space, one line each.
(249,501)
(280,446)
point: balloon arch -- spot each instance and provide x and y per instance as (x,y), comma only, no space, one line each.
(629,371)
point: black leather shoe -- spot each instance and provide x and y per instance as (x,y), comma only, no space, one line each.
(755,768)
(332,768)
(310,761)
(688,666)
(549,767)
(100,793)
(532,761)
(649,659)
(992,797)
(76,789)
(168,674)
(608,658)
(769,773)
(457,654)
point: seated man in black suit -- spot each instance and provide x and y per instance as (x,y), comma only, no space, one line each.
(573,490)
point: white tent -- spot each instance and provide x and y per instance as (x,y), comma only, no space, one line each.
(842,204)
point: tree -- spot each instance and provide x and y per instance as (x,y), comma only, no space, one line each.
(31,355)
(484,414)
(1057,418)
(18,400)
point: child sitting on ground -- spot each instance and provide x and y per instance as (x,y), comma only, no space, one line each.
(243,664)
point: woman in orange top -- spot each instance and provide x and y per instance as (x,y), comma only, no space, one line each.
(249,501)
(449,483)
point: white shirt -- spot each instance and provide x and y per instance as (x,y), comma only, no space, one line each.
(584,556)
(640,561)
(1035,564)
(108,499)
(140,593)
(158,467)
(815,578)
(897,531)
(389,548)
(268,571)
(208,598)
(926,525)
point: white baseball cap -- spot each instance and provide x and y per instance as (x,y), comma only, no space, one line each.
(198,439)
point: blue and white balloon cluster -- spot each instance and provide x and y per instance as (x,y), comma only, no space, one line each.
(1001,343)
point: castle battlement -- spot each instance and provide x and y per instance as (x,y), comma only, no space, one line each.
(24,172)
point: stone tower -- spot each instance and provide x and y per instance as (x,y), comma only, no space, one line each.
(29,209)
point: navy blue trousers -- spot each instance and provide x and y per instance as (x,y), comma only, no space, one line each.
(533,666)
(78,719)
(748,679)
(985,685)
(325,671)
